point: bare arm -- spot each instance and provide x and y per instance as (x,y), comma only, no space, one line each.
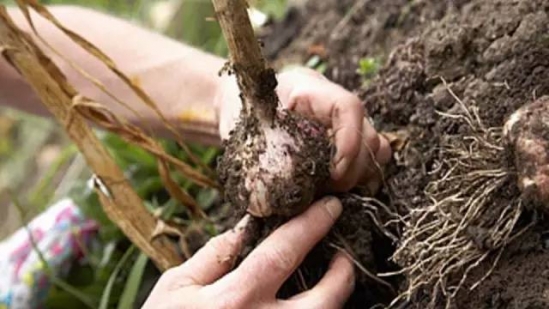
(183,81)
(185,85)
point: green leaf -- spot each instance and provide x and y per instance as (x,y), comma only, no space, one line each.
(368,67)
(206,198)
(107,292)
(127,300)
(274,8)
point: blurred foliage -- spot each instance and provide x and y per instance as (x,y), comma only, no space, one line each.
(114,274)
(368,68)
(316,63)
(273,8)
(192,24)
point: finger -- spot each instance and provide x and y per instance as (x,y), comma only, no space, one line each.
(213,260)
(277,257)
(347,123)
(290,77)
(365,168)
(335,107)
(383,155)
(332,291)
(372,182)
(367,160)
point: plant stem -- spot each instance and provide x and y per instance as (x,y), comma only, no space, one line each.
(256,80)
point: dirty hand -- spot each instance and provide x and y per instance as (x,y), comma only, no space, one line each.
(360,150)
(206,280)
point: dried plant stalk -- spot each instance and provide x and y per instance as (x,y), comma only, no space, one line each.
(255,79)
(120,201)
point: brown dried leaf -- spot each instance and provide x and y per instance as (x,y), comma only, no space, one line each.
(397,140)
(103,117)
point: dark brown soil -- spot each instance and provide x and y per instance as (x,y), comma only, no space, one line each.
(494,54)
(307,148)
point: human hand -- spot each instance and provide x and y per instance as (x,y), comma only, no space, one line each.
(206,280)
(360,149)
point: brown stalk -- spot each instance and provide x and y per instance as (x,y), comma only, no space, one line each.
(120,201)
(256,80)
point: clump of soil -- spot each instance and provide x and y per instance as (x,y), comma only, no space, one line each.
(344,31)
(462,69)
(275,168)
(494,56)
(353,233)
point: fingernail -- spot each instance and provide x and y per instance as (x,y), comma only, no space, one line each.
(333,206)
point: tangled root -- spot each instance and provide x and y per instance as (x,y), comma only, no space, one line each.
(466,219)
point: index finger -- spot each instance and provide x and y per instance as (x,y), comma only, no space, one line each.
(278,256)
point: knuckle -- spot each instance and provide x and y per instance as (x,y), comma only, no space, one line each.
(351,102)
(299,96)
(332,209)
(216,242)
(278,259)
(301,100)
(354,102)
(301,72)
(221,243)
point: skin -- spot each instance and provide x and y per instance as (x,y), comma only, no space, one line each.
(168,71)
(207,281)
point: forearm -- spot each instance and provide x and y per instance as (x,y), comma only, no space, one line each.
(182,81)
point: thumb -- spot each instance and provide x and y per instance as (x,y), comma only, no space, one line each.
(213,260)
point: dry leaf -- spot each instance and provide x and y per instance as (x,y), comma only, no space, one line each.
(176,192)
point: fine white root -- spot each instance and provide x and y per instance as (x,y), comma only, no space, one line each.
(466,219)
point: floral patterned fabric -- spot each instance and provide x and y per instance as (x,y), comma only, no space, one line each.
(59,235)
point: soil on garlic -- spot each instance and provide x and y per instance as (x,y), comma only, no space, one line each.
(275,168)
(494,54)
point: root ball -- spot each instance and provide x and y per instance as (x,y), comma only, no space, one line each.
(275,168)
